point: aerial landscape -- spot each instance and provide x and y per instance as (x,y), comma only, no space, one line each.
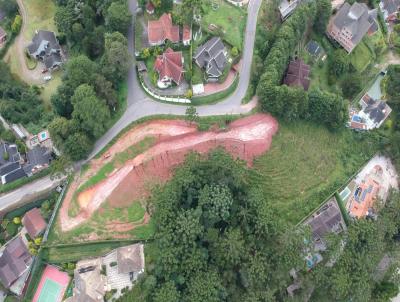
(199,150)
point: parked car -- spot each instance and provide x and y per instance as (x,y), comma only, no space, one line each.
(47,78)
(44,70)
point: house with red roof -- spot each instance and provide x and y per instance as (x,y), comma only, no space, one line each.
(169,66)
(297,75)
(34,223)
(158,31)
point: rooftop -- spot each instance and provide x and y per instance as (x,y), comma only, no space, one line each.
(34,223)
(298,74)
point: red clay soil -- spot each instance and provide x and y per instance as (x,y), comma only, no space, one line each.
(245,138)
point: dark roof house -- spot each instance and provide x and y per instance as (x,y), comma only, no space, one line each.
(327,219)
(45,47)
(212,56)
(39,156)
(297,74)
(34,222)
(10,168)
(14,261)
(169,66)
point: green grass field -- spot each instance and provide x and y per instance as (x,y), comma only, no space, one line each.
(71,253)
(361,57)
(305,164)
(40,16)
(230,19)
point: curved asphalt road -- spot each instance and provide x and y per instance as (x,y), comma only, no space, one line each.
(139,105)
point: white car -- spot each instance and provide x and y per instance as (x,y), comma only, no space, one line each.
(47,78)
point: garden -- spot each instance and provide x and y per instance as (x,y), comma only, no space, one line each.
(230,22)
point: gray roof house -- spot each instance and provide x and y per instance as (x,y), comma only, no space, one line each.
(10,168)
(14,261)
(46,48)
(212,56)
(327,219)
(287,7)
(39,157)
(390,9)
(351,24)
(130,259)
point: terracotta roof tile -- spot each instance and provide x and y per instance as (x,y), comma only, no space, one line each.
(170,64)
(34,222)
(163,29)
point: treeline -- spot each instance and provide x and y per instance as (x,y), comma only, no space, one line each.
(217,238)
(87,97)
(389,136)
(293,103)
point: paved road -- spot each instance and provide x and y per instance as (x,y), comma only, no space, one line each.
(29,192)
(140,105)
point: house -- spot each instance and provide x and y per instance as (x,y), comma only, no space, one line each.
(350,24)
(150,8)
(34,223)
(14,262)
(327,219)
(390,9)
(287,7)
(130,259)
(38,158)
(10,166)
(211,56)
(366,192)
(116,270)
(169,66)
(3,36)
(186,35)
(45,47)
(158,31)
(297,75)
(315,50)
(90,282)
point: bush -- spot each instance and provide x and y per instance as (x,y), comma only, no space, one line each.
(113,264)
(12,229)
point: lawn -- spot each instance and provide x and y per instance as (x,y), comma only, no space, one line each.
(361,57)
(101,223)
(40,16)
(305,164)
(231,20)
(75,252)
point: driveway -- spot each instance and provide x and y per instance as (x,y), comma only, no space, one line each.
(140,105)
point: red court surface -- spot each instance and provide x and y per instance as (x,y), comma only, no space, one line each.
(52,285)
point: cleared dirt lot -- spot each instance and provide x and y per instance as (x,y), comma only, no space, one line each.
(245,138)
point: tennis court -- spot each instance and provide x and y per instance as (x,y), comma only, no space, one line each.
(52,285)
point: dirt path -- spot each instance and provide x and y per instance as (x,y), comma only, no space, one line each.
(245,138)
(28,76)
(391,58)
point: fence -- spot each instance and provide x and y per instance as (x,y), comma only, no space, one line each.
(55,211)
(163,98)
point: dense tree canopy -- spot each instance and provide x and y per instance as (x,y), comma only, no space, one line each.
(18,102)
(219,239)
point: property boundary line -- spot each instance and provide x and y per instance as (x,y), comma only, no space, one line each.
(337,190)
